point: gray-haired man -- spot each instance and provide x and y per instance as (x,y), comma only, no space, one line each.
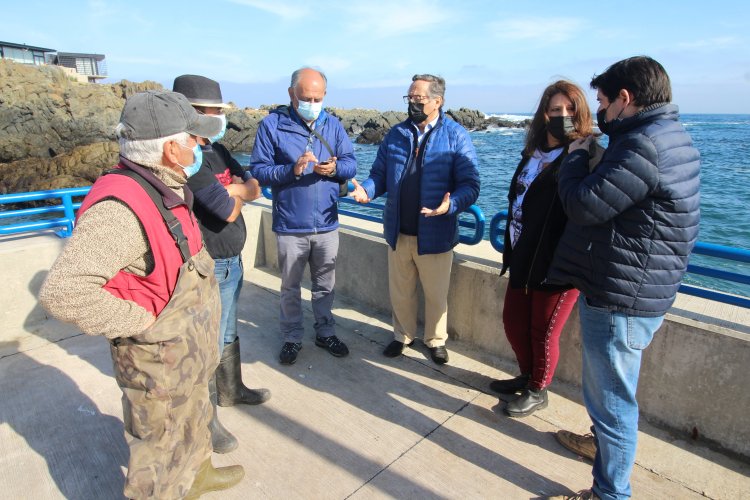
(122,276)
(426,161)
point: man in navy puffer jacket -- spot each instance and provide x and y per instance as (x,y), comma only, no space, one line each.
(426,161)
(303,153)
(632,222)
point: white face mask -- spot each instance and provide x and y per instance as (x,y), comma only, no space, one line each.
(223,130)
(192,169)
(309,111)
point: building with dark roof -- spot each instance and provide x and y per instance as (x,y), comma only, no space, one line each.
(24,54)
(84,67)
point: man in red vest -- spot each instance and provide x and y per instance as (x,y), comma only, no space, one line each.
(136,272)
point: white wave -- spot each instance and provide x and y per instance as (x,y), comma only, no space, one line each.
(509,117)
(503,130)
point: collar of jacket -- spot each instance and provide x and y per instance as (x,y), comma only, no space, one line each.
(660,110)
(171,200)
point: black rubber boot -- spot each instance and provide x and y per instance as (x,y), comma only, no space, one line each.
(229,380)
(527,403)
(221,439)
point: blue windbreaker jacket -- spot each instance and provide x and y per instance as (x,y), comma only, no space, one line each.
(307,204)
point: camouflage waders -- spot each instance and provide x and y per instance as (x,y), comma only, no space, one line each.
(163,374)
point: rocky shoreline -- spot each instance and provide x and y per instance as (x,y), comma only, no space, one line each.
(57,133)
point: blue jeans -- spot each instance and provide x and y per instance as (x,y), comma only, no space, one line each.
(612,343)
(229,275)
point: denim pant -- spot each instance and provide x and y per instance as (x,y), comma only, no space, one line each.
(295,251)
(229,275)
(612,343)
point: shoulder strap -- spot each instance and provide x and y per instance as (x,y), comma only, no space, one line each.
(173,224)
(322,141)
(343,185)
(284,110)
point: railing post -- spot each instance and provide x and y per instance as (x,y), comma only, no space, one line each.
(67,201)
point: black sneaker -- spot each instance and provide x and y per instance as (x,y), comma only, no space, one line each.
(288,354)
(333,345)
(395,348)
(439,354)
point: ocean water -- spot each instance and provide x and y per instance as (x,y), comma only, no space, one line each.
(724,144)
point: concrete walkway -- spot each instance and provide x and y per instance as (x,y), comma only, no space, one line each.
(360,427)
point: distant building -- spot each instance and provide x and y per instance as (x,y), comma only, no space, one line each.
(82,67)
(24,54)
(90,66)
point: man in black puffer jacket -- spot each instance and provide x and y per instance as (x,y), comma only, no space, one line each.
(632,222)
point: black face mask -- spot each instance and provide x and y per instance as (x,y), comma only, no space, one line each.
(601,120)
(560,127)
(416,112)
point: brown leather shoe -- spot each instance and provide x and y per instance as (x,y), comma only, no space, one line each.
(581,444)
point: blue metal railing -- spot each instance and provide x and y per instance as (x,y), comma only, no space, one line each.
(64,225)
(477,224)
(497,233)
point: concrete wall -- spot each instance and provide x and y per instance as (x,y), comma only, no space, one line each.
(694,374)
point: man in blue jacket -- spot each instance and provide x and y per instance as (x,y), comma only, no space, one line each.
(632,222)
(303,153)
(426,161)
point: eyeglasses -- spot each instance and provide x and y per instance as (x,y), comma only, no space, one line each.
(416,98)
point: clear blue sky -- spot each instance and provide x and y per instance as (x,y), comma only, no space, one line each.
(495,55)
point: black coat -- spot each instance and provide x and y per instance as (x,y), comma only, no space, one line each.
(543,224)
(633,221)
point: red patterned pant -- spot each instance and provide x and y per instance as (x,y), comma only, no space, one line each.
(533,323)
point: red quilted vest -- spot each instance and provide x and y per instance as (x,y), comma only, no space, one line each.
(153,291)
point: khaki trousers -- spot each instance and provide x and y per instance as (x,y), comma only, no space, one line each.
(405,267)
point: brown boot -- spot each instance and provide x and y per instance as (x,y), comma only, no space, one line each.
(229,380)
(210,479)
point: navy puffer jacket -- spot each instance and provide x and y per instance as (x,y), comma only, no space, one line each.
(449,166)
(633,220)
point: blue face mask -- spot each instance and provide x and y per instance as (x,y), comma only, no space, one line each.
(223,130)
(192,169)
(309,111)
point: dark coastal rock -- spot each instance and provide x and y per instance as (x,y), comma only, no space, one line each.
(242,125)
(470,119)
(43,113)
(56,132)
(79,167)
